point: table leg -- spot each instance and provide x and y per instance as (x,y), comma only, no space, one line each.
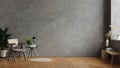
(29,53)
(34,53)
(112,58)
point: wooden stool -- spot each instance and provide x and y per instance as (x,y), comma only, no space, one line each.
(113,53)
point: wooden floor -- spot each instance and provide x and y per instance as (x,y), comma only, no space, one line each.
(59,62)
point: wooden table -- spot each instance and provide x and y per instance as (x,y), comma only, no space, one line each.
(112,53)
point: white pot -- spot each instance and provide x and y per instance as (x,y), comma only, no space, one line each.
(3,53)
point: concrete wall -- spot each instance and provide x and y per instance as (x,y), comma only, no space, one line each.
(62,27)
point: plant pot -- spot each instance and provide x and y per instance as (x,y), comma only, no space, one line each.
(3,53)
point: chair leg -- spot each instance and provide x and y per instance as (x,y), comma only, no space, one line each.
(29,53)
(14,56)
(19,56)
(24,56)
(8,56)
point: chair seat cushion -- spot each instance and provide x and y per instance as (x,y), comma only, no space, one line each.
(22,50)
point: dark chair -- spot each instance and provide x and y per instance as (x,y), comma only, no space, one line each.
(16,49)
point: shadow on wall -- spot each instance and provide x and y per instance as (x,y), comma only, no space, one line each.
(107,17)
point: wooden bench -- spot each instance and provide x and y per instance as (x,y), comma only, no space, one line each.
(112,53)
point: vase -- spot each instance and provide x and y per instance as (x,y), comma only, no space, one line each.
(107,42)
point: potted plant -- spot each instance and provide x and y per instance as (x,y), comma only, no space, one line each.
(31,41)
(4,36)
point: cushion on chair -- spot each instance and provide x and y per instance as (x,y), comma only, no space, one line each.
(13,41)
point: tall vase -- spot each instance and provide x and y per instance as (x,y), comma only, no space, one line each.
(107,42)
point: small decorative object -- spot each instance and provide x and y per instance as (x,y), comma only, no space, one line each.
(107,42)
(34,39)
(4,36)
(108,35)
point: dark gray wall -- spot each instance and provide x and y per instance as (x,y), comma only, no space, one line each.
(107,18)
(62,27)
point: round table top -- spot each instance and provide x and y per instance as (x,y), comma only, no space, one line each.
(32,46)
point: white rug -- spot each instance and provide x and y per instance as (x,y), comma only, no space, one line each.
(40,59)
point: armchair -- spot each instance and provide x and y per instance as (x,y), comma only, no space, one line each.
(16,48)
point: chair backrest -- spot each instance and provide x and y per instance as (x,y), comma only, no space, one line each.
(13,41)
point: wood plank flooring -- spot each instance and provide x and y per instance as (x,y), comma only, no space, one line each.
(59,62)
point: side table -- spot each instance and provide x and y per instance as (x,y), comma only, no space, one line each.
(31,50)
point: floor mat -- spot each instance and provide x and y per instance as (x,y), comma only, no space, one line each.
(40,59)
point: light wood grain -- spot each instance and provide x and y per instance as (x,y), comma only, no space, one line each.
(59,62)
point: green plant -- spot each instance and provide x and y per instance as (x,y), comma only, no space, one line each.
(29,41)
(4,36)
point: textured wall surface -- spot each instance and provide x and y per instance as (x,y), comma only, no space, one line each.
(62,27)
